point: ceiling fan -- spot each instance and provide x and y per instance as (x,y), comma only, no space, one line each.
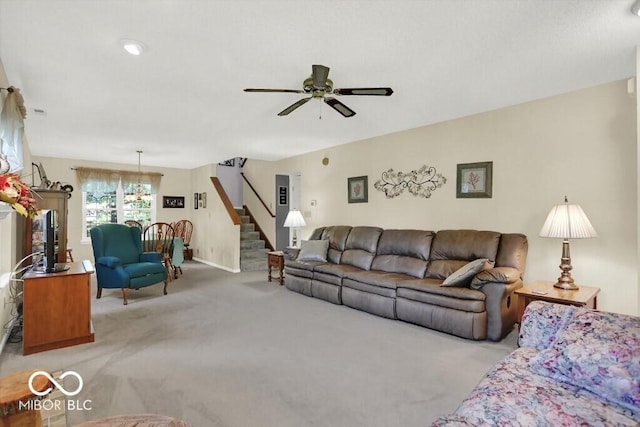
(319,86)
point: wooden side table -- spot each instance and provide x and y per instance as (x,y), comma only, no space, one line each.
(14,391)
(276,260)
(585,296)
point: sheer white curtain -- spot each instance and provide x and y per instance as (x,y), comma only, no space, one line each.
(133,178)
(98,181)
(12,129)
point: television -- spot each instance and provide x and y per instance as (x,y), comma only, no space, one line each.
(49,234)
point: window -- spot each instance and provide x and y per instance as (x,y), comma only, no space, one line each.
(117,207)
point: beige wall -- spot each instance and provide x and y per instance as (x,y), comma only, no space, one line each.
(581,144)
(216,240)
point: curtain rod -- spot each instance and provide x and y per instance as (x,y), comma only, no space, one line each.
(117,170)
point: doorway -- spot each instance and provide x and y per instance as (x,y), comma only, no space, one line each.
(287,198)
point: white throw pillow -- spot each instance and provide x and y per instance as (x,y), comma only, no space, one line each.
(462,276)
(313,250)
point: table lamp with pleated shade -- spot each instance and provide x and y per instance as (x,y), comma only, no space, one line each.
(566,222)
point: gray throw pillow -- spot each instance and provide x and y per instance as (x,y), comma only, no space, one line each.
(462,276)
(313,250)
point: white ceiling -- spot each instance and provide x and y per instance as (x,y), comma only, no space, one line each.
(182,101)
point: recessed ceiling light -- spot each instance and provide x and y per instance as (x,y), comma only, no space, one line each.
(134,47)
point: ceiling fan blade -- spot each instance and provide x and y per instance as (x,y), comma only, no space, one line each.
(292,107)
(320,75)
(275,90)
(376,91)
(339,107)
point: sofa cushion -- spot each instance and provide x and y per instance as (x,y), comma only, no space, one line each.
(512,251)
(410,243)
(451,249)
(141,269)
(541,323)
(313,250)
(327,278)
(462,299)
(337,237)
(378,278)
(301,272)
(301,265)
(462,276)
(361,247)
(403,251)
(372,289)
(335,269)
(512,394)
(432,286)
(614,374)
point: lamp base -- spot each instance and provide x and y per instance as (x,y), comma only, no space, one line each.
(569,286)
(565,281)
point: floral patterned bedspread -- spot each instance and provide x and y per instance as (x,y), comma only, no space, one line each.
(516,392)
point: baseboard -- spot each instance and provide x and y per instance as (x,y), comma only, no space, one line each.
(213,264)
(7,333)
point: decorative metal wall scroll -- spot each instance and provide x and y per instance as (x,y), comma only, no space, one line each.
(419,182)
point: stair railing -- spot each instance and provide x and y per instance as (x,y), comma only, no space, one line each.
(257,195)
(263,236)
(225,200)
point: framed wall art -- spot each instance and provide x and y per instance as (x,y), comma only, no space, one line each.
(283,195)
(196,196)
(474,180)
(173,201)
(357,191)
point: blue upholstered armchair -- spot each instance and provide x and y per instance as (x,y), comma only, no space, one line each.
(120,262)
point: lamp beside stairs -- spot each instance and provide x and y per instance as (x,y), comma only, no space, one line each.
(253,253)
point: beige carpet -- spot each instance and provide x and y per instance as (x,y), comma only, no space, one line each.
(229,350)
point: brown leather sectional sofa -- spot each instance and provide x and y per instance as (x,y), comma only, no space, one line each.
(399,274)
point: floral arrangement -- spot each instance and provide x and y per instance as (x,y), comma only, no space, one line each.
(14,192)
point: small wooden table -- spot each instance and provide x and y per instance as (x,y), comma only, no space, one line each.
(540,290)
(14,391)
(276,260)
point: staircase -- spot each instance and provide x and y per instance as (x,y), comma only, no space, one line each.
(253,254)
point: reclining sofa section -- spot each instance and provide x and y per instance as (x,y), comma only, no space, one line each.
(399,274)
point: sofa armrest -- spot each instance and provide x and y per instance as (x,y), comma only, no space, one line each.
(496,275)
(109,261)
(291,253)
(502,307)
(151,257)
(541,323)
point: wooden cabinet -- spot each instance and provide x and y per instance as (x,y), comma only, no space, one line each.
(32,236)
(57,308)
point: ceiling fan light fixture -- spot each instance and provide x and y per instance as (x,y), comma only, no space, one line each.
(134,47)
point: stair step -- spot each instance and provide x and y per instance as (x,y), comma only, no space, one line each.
(249,235)
(252,244)
(245,227)
(240,211)
(246,219)
(253,254)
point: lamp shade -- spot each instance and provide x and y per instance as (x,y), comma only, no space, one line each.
(294,219)
(567,221)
